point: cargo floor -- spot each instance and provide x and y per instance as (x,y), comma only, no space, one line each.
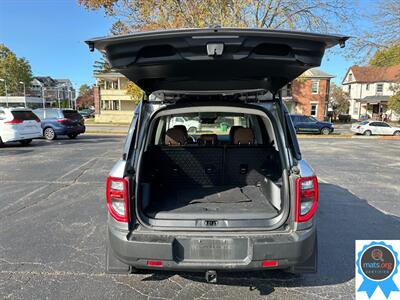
(222,202)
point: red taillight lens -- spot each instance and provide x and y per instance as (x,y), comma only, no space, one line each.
(154,263)
(37,119)
(62,120)
(117,193)
(269,263)
(306,198)
(358,127)
(14,121)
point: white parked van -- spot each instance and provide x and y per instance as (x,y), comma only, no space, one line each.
(19,124)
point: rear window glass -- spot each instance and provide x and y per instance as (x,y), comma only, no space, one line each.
(72,114)
(204,127)
(208,123)
(23,115)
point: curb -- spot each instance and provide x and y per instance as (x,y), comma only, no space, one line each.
(106,132)
(361,137)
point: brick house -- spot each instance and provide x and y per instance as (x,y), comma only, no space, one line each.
(309,94)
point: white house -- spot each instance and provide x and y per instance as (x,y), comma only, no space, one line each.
(369,89)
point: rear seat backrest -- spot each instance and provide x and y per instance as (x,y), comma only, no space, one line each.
(249,164)
(208,139)
(187,166)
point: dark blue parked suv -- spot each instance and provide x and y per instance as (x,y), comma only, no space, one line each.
(56,122)
(309,124)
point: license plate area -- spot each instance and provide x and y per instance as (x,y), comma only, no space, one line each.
(211,250)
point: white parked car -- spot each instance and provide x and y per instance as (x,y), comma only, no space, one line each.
(192,125)
(19,124)
(375,128)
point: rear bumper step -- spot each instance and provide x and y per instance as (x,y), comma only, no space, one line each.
(198,253)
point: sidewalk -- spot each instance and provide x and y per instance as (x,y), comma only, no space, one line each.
(107,128)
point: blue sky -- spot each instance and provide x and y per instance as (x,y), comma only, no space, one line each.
(51,35)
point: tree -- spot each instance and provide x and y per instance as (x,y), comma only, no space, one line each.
(386,57)
(339,100)
(86,97)
(84,89)
(394,102)
(138,15)
(135,92)
(381,35)
(14,70)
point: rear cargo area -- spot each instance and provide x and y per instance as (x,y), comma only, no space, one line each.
(228,182)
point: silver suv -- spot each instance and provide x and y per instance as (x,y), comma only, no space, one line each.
(234,194)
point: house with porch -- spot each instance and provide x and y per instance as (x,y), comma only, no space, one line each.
(111,101)
(369,89)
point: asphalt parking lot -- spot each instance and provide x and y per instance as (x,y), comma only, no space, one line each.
(53,212)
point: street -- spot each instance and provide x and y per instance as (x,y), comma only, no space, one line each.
(53,224)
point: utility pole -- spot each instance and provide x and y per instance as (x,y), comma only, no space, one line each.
(5,87)
(44,100)
(58,97)
(23,83)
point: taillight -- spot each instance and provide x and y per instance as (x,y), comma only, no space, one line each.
(14,121)
(37,119)
(62,120)
(117,193)
(269,263)
(155,263)
(358,127)
(306,198)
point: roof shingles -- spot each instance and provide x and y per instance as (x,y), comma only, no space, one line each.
(371,74)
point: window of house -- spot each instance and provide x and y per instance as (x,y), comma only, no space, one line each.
(350,90)
(314,86)
(355,109)
(350,77)
(314,110)
(367,87)
(379,88)
(115,105)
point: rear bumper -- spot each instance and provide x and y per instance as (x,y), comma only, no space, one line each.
(15,136)
(235,252)
(70,130)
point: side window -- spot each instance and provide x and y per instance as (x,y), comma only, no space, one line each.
(39,113)
(383,124)
(373,124)
(131,137)
(51,114)
(292,139)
